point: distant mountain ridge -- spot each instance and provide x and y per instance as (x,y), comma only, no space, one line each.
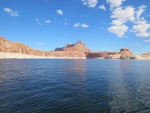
(78,49)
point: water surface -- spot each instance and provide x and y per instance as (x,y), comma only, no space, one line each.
(74,86)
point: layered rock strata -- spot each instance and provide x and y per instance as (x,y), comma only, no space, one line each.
(75,50)
(78,49)
(79,46)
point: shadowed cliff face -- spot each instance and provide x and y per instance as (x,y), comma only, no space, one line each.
(78,49)
(96,54)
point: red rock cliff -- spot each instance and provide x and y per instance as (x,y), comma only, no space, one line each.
(78,49)
(79,46)
(73,50)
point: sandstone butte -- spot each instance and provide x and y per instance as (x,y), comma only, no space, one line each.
(78,49)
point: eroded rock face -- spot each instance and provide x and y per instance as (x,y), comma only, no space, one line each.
(79,46)
(93,55)
(75,50)
(78,49)
(125,52)
(124,49)
(113,55)
(17,47)
(146,55)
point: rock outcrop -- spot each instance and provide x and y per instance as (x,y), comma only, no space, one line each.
(79,46)
(113,55)
(78,49)
(126,54)
(146,55)
(123,54)
(74,50)
(17,47)
(93,55)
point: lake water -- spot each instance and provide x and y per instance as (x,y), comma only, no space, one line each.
(74,86)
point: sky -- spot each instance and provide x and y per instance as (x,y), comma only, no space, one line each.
(103,25)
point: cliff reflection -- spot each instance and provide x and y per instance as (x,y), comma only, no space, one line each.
(80,66)
(77,67)
(76,79)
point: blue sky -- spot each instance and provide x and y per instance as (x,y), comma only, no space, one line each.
(104,25)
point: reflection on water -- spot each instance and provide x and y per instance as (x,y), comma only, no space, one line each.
(78,66)
(74,86)
(130,89)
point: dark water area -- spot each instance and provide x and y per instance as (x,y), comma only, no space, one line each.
(74,86)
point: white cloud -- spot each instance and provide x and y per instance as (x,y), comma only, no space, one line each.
(115,3)
(81,25)
(118,22)
(76,24)
(47,21)
(37,21)
(126,14)
(102,7)
(119,30)
(84,25)
(146,40)
(141,29)
(121,16)
(60,12)
(11,12)
(140,11)
(7,10)
(90,3)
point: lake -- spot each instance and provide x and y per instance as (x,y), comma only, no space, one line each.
(74,86)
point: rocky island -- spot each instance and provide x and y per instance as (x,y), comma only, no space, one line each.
(78,50)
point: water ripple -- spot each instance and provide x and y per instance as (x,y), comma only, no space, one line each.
(74,86)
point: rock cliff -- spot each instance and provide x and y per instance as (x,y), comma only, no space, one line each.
(93,55)
(79,46)
(146,55)
(123,54)
(78,49)
(72,50)
(17,47)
